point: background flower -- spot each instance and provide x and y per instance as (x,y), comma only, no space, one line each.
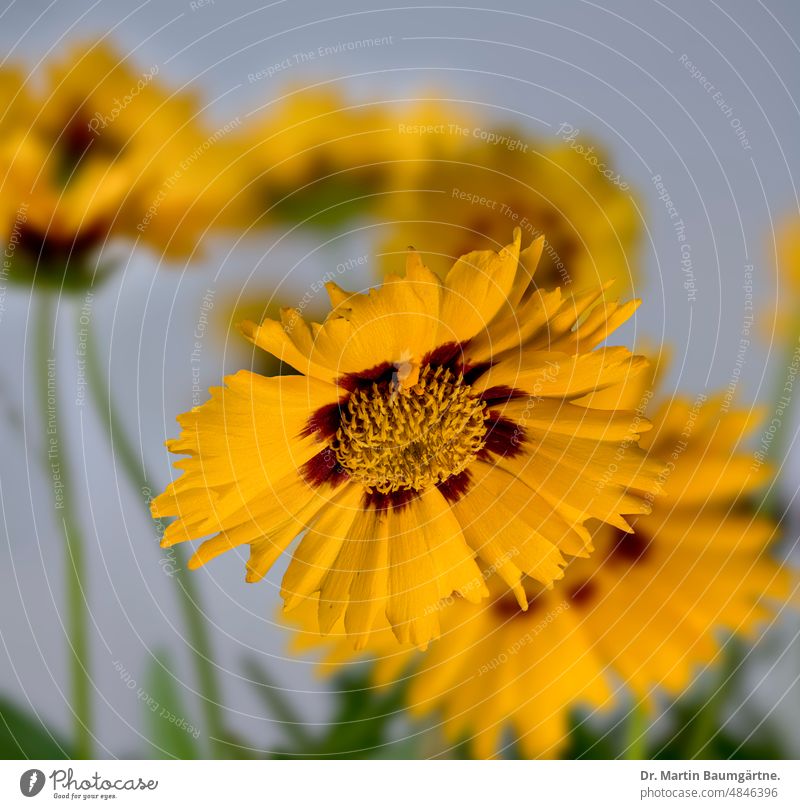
(322,158)
(474,190)
(98,149)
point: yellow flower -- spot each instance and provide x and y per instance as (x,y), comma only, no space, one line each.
(432,421)
(788,237)
(782,322)
(100,150)
(475,191)
(321,157)
(15,106)
(439,178)
(644,612)
(308,131)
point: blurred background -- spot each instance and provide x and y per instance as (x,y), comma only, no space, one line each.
(630,78)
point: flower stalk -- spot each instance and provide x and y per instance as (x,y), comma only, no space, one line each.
(134,468)
(55,461)
(637,725)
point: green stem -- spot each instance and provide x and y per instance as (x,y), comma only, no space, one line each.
(55,456)
(193,615)
(636,748)
(705,725)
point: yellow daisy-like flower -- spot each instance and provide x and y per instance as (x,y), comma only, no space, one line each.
(443,180)
(476,190)
(432,421)
(321,157)
(644,612)
(98,149)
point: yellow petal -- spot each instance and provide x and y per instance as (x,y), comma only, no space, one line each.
(319,548)
(412,605)
(475,289)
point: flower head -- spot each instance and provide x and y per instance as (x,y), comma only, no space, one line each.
(99,149)
(476,188)
(645,612)
(433,421)
(322,157)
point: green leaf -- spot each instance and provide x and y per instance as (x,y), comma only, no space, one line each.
(360,727)
(589,742)
(718,742)
(171,732)
(22,735)
(699,721)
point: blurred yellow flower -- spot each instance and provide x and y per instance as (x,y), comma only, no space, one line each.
(786,250)
(98,150)
(437,178)
(322,158)
(15,106)
(643,612)
(433,421)
(788,236)
(480,186)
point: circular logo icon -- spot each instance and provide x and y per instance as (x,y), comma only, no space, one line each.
(31,782)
